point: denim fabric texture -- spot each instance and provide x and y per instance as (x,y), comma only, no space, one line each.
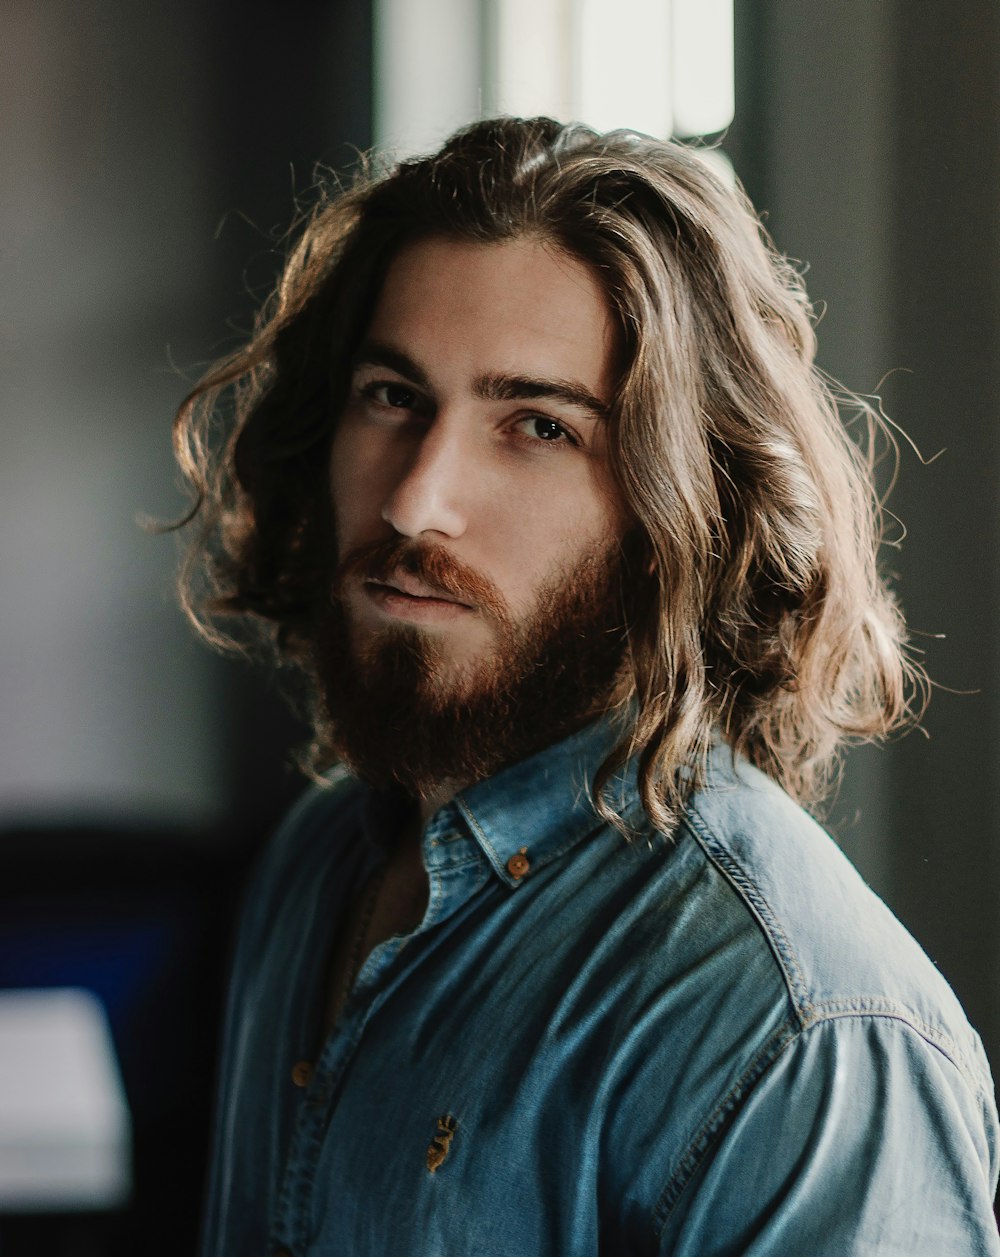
(717,1043)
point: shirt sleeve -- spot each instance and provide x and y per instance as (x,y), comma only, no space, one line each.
(862,1138)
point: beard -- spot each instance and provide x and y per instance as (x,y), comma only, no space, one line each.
(401,714)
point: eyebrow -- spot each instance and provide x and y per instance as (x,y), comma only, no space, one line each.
(493,387)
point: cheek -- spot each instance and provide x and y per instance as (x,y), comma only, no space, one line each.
(353,482)
(536,542)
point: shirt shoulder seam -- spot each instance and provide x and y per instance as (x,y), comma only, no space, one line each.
(779,1042)
(750,893)
(711,1127)
(808,1009)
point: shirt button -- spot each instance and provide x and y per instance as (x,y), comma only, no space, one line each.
(518,864)
(302,1073)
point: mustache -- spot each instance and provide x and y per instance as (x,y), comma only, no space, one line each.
(431,564)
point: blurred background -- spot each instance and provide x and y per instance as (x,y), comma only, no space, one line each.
(152,156)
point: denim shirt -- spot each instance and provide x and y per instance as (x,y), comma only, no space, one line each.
(715,1043)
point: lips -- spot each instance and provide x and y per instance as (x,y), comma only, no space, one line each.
(400,573)
(412,587)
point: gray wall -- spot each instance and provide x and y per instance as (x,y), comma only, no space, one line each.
(105,224)
(151,155)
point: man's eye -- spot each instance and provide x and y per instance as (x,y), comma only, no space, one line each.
(549,430)
(398,396)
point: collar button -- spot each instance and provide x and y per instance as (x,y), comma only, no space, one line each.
(519,864)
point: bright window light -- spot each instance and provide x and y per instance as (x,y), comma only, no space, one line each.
(532,58)
(660,66)
(702,65)
(427,71)
(622,65)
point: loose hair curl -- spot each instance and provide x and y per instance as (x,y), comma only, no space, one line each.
(767,620)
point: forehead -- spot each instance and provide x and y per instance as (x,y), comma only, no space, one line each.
(522,306)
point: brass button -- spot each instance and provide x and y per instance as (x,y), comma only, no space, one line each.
(302,1073)
(518,864)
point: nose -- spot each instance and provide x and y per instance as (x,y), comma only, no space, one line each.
(432,485)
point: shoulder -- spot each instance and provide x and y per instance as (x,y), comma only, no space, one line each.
(818,1029)
(301,849)
(874,1142)
(838,949)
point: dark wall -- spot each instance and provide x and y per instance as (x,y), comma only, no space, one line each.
(290,97)
(945,299)
(868,133)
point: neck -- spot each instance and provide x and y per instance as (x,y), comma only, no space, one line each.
(441,794)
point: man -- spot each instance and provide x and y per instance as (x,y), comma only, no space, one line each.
(531,478)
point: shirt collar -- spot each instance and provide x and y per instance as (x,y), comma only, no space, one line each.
(542,806)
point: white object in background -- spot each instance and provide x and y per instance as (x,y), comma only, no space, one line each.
(622,65)
(702,66)
(531,68)
(65,1131)
(717,161)
(427,57)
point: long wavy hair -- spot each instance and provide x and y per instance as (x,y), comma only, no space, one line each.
(767,621)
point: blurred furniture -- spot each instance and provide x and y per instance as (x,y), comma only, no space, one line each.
(65,1130)
(139,917)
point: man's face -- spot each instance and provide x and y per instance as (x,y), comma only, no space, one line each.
(473,424)
(475,512)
